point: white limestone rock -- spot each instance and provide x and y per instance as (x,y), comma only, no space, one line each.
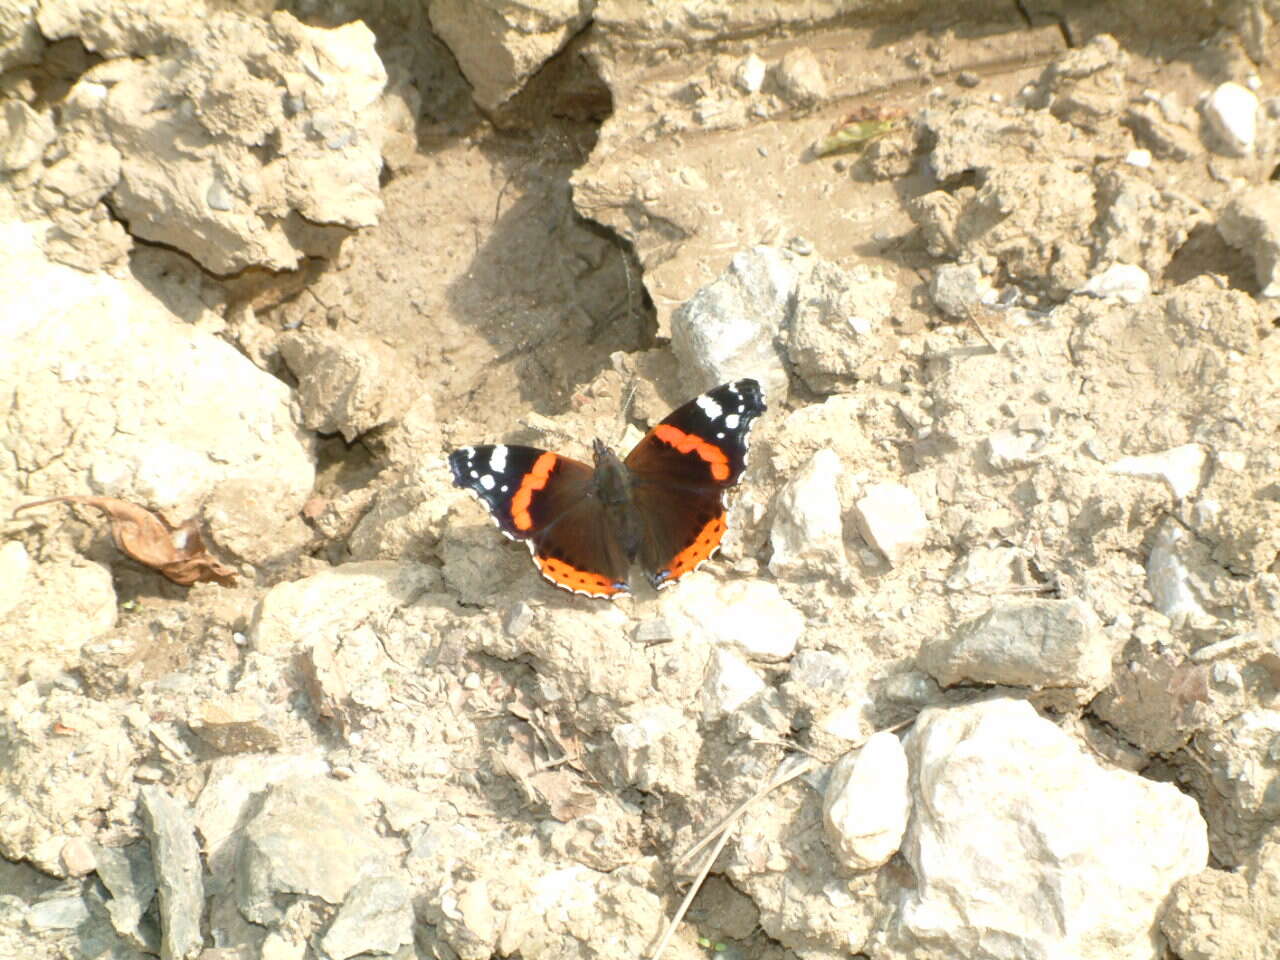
(20,41)
(1124,281)
(729,328)
(1232,113)
(657,748)
(866,803)
(808,530)
(730,682)
(750,616)
(1021,845)
(959,289)
(295,615)
(241,140)
(839,323)
(1175,588)
(348,384)
(49,611)
(750,73)
(1181,467)
(891,520)
(124,395)
(800,77)
(376,917)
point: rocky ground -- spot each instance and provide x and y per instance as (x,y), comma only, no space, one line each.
(989,664)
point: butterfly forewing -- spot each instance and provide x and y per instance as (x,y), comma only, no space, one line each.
(679,473)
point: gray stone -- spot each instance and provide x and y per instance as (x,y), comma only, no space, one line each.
(840,323)
(959,289)
(61,912)
(800,77)
(232,786)
(376,917)
(729,327)
(310,838)
(1250,222)
(1238,781)
(179,878)
(1026,643)
(129,877)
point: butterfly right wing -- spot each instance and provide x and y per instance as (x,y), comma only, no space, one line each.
(549,502)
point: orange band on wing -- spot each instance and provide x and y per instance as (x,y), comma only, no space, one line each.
(571,578)
(704,544)
(533,481)
(688,443)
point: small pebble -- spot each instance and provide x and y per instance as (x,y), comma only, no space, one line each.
(750,74)
(800,246)
(1232,111)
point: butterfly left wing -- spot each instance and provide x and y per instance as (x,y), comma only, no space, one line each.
(549,502)
(680,471)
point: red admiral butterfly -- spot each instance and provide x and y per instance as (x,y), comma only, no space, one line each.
(662,505)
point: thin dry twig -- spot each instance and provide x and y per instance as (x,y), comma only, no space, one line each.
(791,768)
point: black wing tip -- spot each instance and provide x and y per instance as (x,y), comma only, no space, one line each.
(458,465)
(749,388)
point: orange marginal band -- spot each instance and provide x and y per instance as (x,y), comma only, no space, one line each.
(688,443)
(571,578)
(704,544)
(533,481)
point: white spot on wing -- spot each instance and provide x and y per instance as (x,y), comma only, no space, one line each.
(732,421)
(709,407)
(498,459)
(487,481)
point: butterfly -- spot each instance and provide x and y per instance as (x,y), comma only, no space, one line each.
(662,505)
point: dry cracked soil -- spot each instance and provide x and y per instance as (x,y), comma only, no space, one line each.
(988,663)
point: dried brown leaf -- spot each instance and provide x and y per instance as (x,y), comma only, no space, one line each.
(565,796)
(178,553)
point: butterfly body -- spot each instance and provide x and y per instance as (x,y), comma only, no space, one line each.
(662,506)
